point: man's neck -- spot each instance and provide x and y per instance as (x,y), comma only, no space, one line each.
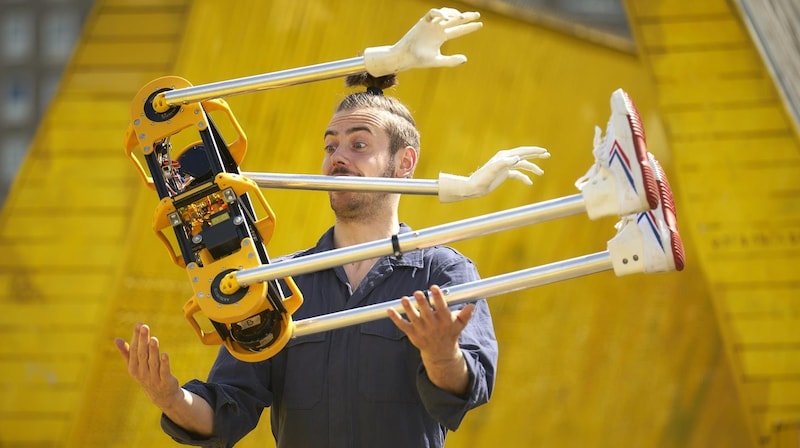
(349,233)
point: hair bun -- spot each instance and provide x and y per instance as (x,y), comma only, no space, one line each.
(375,85)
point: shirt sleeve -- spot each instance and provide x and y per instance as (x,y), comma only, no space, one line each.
(238,393)
(479,346)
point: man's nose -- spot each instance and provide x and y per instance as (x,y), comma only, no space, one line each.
(338,156)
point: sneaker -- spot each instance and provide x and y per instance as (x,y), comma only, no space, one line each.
(621,181)
(649,241)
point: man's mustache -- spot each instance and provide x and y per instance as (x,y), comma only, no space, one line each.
(342,171)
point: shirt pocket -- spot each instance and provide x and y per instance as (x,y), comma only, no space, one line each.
(387,363)
(306,357)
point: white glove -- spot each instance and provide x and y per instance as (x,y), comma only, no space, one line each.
(505,164)
(419,48)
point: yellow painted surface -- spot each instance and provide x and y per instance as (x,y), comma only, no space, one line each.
(737,164)
(598,361)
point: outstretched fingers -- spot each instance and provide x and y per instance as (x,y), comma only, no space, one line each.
(451,16)
(153,358)
(458,318)
(516,160)
(403,324)
(454,23)
(142,355)
(451,60)
(165,372)
(457,31)
(527,152)
(529,166)
(518,175)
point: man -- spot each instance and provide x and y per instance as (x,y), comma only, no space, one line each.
(403,381)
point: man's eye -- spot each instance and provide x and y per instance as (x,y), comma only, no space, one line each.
(330,148)
(359,145)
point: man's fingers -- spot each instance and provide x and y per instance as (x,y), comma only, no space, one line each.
(133,351)
(411,311)
(440,303)
(123,347)
(135,338)
(398,320)
(153,356)
(464,315)
(164,370)
(423,300)
(144,339)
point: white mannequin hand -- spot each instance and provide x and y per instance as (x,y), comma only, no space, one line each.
(505,164)
(419,48)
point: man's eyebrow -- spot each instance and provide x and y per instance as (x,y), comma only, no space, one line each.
(350,130)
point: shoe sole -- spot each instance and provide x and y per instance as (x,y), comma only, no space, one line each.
(670,216)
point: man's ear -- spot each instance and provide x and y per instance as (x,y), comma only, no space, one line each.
(406,159)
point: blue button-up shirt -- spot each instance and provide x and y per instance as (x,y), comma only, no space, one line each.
(359,386)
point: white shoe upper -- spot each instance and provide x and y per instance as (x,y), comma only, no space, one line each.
(621,181)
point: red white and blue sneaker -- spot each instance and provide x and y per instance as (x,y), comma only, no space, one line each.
(649,241)
(621,181)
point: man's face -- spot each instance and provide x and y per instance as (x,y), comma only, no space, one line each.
(356,144)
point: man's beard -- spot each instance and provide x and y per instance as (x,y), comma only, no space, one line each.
(358,206)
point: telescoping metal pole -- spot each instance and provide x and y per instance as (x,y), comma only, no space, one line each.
(344,183)
(465,292)
(257,83)
(418,239)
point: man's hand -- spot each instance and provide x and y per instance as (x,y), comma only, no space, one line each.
(505,164)
(434,330)
(420,47)
(150,368)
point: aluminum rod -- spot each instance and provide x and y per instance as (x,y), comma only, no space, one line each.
(265,81)
(465,292)
(344,183)
(418,239)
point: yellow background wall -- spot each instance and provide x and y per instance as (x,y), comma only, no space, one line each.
(597,361)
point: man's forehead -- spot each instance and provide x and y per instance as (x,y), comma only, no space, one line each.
(361,119)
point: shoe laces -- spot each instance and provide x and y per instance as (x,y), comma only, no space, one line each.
(597,151)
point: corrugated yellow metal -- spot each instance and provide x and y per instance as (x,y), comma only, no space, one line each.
(737,161)
(598,361)
(63,224)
